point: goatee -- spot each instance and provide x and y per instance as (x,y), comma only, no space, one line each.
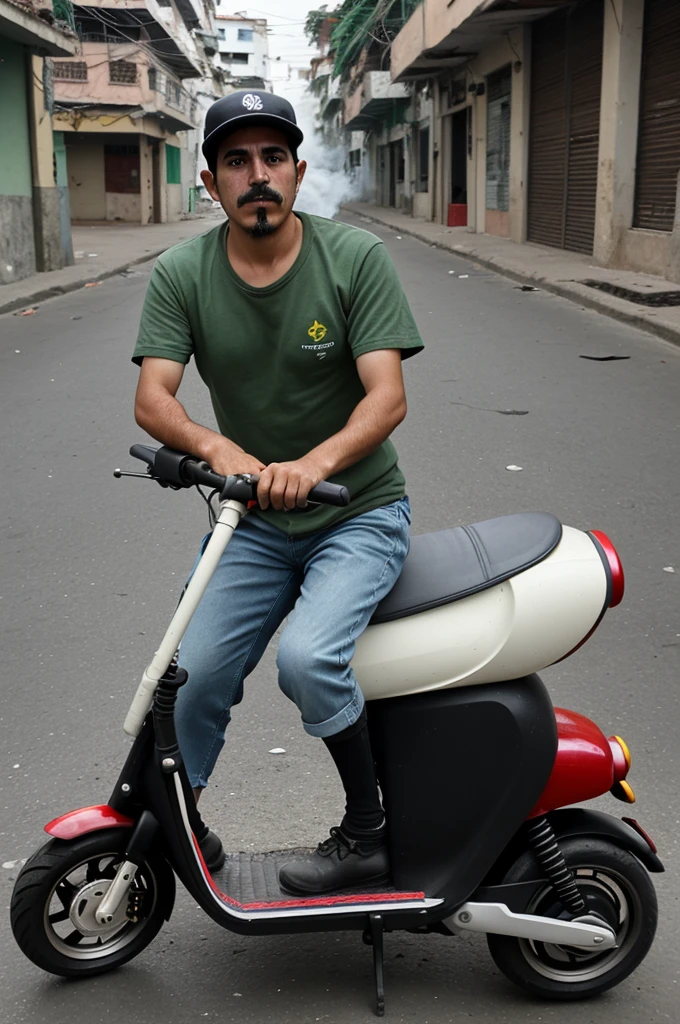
(262,227)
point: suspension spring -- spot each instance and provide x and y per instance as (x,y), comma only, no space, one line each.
(561,877)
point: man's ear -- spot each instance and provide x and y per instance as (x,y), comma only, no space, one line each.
(301,168)
(208,180)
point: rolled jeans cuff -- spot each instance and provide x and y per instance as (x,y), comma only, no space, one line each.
(342,720)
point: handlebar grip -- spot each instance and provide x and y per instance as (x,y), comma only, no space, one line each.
(330,494)
(145,452)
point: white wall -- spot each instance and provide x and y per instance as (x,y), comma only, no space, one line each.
(257,48)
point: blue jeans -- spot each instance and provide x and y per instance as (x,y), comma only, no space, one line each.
(328,583)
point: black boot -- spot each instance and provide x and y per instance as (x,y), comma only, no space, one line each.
(356,853)
(339,863)
(211,848)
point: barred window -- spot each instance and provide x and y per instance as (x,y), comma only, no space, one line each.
(153,78)
(70,71)
(122,72)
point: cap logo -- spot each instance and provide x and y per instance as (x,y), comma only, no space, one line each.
(251,102)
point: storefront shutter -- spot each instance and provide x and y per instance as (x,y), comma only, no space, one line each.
(548,132)
(658,159)
(586,28)
(565,127)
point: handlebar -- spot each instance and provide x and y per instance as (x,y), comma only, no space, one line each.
(179,469)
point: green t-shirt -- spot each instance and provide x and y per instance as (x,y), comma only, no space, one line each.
(279,361)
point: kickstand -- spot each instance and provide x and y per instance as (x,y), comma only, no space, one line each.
(375,923)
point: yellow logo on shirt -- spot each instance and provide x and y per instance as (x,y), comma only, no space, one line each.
(317,331)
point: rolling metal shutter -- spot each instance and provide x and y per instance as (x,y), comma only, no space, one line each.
(566,83)
(658,159)
(547,132)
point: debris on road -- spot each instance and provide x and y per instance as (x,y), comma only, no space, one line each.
(463,276)
(93,284)
(514,469)
(277,750)
(526,288)
(604,359)
(27,312)
(76,318)
(668,568)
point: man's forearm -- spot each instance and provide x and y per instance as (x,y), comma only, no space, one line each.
(166,419)
(371,423)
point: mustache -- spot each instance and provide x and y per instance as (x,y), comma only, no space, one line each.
(259,192)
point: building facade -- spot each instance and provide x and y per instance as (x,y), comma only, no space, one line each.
(555,122)
(125,110)
(243,47)
(35,230)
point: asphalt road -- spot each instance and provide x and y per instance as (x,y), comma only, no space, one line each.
(91,568)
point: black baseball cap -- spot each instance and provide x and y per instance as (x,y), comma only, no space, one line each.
(244,108)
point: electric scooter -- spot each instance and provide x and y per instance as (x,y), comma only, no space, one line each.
(475,765)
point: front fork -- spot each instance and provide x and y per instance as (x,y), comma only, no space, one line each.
(231,513)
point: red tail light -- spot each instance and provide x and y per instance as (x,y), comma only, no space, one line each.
(612,564)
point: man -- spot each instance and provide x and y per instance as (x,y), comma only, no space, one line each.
(298,326)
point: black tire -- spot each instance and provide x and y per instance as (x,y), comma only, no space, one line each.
(58,890)
(615,886)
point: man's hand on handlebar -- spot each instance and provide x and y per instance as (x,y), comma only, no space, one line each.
(285,485)
(227,459)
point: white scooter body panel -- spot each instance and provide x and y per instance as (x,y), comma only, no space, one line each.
(510,630)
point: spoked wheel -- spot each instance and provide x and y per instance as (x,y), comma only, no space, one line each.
(617,889)
(58,892)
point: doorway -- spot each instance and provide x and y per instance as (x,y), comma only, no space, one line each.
(459,131)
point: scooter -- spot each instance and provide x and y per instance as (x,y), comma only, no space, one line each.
(475,765)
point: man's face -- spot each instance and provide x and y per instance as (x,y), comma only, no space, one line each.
(256,179)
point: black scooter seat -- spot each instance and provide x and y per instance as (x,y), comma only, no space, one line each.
(448,565)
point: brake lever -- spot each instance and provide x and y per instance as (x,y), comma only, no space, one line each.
(118,473)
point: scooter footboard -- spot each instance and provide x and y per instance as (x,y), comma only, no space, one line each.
(460,770)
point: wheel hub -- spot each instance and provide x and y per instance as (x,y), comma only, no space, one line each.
(83,909)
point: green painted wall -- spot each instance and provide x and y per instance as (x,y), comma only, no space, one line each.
(15,152)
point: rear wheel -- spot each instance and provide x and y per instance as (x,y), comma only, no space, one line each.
(616,888)
(58,892)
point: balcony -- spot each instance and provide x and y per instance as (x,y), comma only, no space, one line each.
(118,75)
(155,22)
(33,24)
(443,34)
(375,101)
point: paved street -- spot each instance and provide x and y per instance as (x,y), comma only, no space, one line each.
(91,567)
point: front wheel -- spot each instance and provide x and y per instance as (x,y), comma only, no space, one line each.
(614,886)
(58,892)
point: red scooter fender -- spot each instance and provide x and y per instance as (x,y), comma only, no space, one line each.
(87,819)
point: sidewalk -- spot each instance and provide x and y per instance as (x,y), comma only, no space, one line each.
(102,250)
(553,270)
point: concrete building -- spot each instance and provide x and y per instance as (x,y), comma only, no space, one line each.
(555,122)
(35,231)
(125,111)
(243,47)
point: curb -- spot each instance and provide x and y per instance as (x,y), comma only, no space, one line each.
(660,330)
(72,286)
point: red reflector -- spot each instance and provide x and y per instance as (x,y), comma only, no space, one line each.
(615,567)
(641,832)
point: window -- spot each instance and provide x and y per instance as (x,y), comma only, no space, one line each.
(354,158)
(423,160)
(122,72)
(234,58)
(499,87)
(153,79)
(222,33)
(245,35)
(172,165)
(70,71)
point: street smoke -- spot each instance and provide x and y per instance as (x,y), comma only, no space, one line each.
(327,185)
